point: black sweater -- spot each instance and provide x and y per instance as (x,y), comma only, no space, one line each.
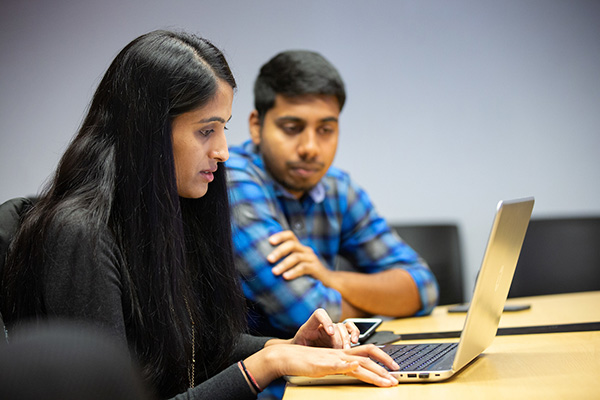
(83,286)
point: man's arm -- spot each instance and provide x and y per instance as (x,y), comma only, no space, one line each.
(256,216)
(373,248)
(392,292)
(366,240)
(349,311)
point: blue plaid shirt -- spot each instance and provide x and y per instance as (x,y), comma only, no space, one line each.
(336,218)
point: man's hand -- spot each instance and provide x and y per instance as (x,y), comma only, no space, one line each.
(295,259)
(392,292)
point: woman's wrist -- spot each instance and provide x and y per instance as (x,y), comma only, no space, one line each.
(249,378)
(263,366)
(273,342)
(246,378)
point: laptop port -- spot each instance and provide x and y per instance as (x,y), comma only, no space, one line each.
(412,375)
(424,376)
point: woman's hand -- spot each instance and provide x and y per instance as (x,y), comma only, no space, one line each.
(357,362)
(279,360)
(320,331)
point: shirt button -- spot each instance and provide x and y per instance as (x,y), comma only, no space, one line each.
(298,225)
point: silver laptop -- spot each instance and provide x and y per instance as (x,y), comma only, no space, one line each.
(433,362)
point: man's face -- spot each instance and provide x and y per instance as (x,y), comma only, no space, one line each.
(298,139)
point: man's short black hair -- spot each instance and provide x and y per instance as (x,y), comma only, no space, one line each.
(296,73)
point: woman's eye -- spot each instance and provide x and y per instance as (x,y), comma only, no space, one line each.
(206,132)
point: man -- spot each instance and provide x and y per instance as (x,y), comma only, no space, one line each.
(294,214)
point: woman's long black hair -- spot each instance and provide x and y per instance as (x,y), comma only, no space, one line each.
(119,170)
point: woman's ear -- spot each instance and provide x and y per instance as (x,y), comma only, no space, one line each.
(255,127)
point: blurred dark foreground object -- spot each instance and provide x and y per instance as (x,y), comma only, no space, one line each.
(67,361)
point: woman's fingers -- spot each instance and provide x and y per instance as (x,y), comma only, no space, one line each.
(374,376)
(344,367)
(316,362)
(353,331)
(373,352)
(320,318)
(320,331)
(360,367)
(343,336)
(370,372)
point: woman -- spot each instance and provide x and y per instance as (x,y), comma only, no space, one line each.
(127,235)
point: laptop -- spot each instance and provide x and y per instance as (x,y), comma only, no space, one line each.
(434,362)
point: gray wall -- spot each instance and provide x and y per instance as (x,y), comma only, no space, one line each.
(452,105)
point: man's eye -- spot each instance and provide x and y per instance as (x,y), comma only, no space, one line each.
(326,130)
(292,129)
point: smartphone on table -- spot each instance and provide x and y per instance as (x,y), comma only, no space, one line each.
(366,326)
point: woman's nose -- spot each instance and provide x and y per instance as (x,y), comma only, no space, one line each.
(220,151)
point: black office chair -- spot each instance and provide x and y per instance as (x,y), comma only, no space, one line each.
(11,212)
(439,245)
(559,255)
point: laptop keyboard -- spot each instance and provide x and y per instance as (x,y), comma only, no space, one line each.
(418,357)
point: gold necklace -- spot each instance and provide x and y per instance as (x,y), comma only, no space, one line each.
(191,367)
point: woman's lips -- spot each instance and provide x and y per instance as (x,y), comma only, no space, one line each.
(208,175)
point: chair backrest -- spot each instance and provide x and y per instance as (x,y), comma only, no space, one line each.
(11,212)
(440,246)
(559,255)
